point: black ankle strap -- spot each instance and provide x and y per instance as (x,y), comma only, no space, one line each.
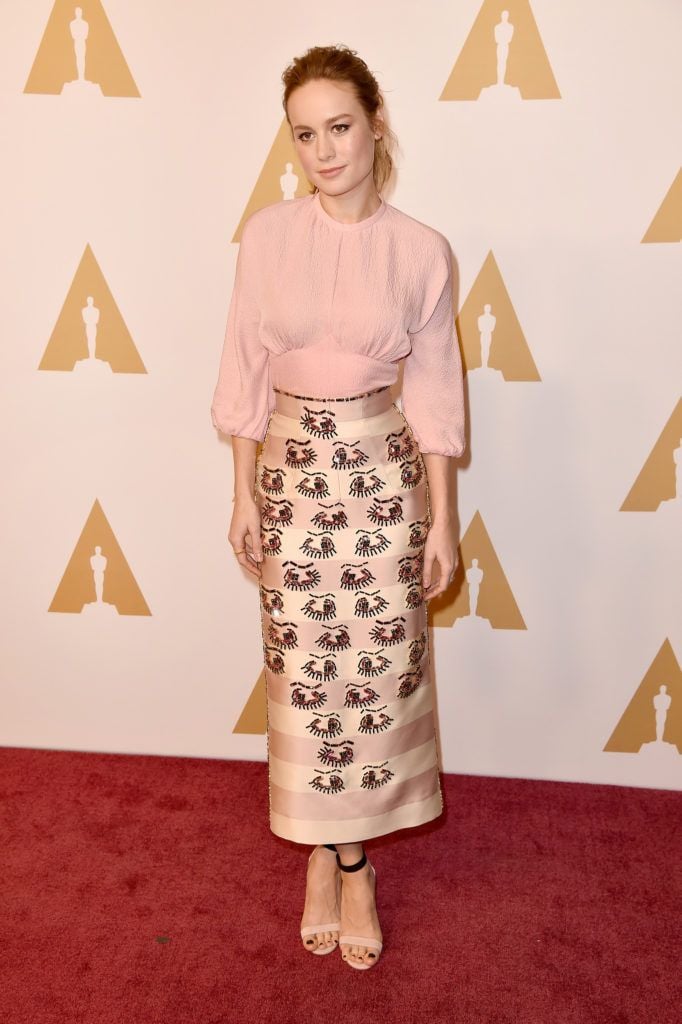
(352,867)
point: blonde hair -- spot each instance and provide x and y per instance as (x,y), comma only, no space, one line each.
(341,64)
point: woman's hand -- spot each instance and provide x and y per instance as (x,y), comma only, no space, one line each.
(439,547)
(244,535)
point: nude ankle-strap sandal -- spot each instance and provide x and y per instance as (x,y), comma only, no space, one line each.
(334,926)
(360,940)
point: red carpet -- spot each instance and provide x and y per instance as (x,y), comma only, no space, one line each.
(149,890)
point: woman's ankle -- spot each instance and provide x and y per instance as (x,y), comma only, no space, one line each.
(349,854)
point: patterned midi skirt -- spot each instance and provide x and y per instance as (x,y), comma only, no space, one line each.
(343,497)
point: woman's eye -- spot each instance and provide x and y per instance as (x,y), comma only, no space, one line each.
(302,138)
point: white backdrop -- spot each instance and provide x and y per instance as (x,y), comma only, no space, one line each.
(560,193)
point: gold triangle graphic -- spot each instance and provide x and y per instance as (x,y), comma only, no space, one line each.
(253,718)
(652,721)
(98,577)
(667,223)
(80,54)
(502,57)
(282,174)
(657,479)
(495,600)
(90,327)
(488,312)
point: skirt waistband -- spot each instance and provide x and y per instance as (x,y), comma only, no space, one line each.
(356,407)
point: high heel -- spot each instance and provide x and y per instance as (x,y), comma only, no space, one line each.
(334,926)
(361,940)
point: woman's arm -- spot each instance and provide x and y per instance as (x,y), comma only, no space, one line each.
(244,532)
(440,543)
(433,404)
(243,398)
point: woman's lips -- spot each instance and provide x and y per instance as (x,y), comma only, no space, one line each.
(331,172)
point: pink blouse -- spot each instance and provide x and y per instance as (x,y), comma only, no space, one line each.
(327,310)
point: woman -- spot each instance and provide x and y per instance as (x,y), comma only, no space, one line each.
(345,513)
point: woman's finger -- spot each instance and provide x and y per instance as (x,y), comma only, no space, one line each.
(241,547)
(427,570)
(249,564)
(447,572)
(256,542)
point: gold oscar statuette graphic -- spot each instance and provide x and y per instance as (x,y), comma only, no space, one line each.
(479,596)
(667,223)
(90,335)
(79,55)
(658,486)
(651,724)
(98,580)
(253,719)
(281,177)
(503,60)
(490,334)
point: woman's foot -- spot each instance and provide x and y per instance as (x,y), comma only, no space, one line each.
(321,898)
(359,914)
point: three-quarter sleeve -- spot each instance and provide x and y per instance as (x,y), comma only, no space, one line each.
(243,398)
(433,384)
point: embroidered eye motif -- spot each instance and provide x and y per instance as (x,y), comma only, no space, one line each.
(414,597)
(337,639)
(322,548)
(333,785)
(314,486)
(418,532)
(417,648)
(283,635)
(337,758)
(347,456)
(365,482)
(321,607)
(299,454)
(272,480)
(334,519)
(277,512)
(388,631)
(375,776)
(325,725)
(386,511)
(410,568)
(399,446)
(307,697)
(372,663)
(411,472)
(375,721)
(365,546)
(409,681)
(357,697)
(301,577)
(272,601)
(321,667)
(369,605)
(354,577)
(319,422)
(274,660)
(272,540)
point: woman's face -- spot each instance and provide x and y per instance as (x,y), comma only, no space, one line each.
(330,129)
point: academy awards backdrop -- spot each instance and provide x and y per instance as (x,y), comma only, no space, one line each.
(542,139)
